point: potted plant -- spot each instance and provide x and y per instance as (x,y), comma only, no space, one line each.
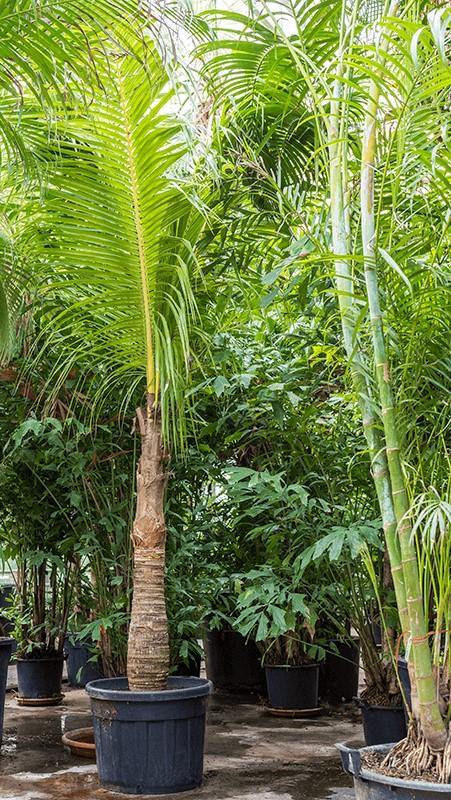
(39,536)
(102,493)
(134,264)
(5,655)
(283,623)
(354,558)
(232,660)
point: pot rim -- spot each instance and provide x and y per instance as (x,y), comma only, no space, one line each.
(184,689)
(20,659)
(362,704)
(352,766)
(4,640)
(292,666)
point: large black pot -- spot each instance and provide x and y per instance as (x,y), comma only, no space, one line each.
(5,655)
(374,786)
(149,742)
(233,663)
(339,673)
(383,724)
(39,680)
(293,687)
(80,669)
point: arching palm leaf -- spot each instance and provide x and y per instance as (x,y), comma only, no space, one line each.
(116,274)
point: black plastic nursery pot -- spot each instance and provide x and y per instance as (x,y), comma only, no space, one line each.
(80,668)
(39,681)
(371,785)
(232,663)
(7,592)
(339,674)
(293,688)
(404,678)
(382,724)
(149,742)
(5,655)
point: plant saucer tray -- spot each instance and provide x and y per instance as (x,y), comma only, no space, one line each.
(80,742)
(37,702)
(294,713)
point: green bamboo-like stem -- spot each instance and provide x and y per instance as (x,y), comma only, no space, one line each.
(348,313)
(428,709)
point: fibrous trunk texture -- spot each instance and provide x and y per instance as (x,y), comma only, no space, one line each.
(148,644)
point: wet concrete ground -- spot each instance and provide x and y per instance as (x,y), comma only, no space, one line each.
(249,754)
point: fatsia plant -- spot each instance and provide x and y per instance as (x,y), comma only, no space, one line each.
(377,214)
(116,275)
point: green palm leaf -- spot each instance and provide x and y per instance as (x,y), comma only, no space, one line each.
(117,273)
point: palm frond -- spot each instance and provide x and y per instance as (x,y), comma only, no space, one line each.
(117,273)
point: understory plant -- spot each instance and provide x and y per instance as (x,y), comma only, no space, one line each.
(280,616)
(369,83)
(352,558)
(39,533)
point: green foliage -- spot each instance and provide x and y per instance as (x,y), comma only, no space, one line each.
(281,615)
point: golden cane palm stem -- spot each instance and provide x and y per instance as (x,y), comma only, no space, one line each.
(428,709)
(348,314)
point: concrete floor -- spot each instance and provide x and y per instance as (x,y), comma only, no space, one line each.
(249,754)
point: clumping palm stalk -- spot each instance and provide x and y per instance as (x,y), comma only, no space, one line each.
(427,705)
(374,77)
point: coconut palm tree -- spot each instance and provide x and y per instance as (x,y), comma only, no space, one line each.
(371,81)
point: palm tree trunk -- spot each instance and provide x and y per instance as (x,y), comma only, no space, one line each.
(423,678)
(148,644)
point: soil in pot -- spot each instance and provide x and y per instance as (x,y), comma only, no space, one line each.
(293,687)
(80,668)
(5,655)
(39,680)
(149,742)
(339,674)
(370,784)
(383,724)
(232,663)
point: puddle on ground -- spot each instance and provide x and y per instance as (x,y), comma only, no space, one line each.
(33,744)
(318,780)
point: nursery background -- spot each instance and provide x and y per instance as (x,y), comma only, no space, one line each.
(225,389)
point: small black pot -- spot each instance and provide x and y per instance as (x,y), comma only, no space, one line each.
(149,742)
(371,785)
(39,680)
(5,655)
(293,687)
(339,674)
(7,592)
(383,724)
(80,669)
(233,663)
(404,678)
